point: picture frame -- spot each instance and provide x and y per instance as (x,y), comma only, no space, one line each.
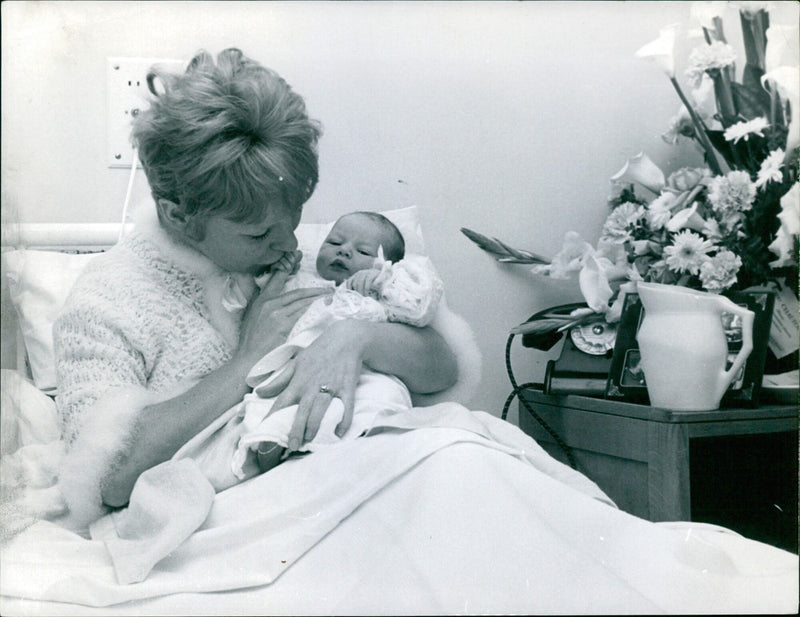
(626,380)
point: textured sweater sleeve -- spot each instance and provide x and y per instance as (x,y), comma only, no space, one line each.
(93,355)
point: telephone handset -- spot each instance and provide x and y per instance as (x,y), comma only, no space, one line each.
(585,360)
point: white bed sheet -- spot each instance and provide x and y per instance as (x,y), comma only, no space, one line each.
(436,520)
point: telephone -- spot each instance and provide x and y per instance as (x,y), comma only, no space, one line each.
(585,359)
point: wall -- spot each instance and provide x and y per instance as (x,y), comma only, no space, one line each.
(504,117)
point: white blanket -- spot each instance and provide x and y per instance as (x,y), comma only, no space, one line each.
(224,449)
(462,514)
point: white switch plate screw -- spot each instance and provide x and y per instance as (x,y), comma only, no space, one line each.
(127,94)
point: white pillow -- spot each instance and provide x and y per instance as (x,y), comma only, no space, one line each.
(39,282)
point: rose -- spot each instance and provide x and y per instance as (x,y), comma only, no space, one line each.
(687,178)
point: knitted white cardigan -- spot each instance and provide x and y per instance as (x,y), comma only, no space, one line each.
(143,323)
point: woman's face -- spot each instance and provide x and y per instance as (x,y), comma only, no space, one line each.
(250,247)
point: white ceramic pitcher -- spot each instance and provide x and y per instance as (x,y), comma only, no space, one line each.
(683,346)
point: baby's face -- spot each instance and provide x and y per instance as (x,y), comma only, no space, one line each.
(351,245)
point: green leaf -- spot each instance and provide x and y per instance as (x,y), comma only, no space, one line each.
(722,145)
(540,326)
(751,102)
(501,251)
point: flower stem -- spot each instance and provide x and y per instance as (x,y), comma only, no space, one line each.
(724,95)
(698,128)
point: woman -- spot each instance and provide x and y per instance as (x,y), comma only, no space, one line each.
(146,354)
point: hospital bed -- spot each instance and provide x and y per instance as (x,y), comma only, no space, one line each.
(445,511)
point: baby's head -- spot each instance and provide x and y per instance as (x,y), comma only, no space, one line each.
(353,243)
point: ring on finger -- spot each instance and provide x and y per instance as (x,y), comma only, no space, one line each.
(325,389)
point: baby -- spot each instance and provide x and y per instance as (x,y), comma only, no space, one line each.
(363,258)
(364,253)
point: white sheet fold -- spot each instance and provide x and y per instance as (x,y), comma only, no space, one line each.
(438,519)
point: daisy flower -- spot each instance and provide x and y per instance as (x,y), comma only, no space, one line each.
(743,130)
(732,193)
(709,57)
(687,252)
(718,273)
(771,168)
(619,225)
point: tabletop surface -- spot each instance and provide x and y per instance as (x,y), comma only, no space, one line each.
(657,414)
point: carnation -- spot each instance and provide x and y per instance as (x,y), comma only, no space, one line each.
(711,230)
(718,273)
(732,193)
(704,58)
(619,225)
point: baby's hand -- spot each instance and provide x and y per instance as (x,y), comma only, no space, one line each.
(364,282)
(290,262)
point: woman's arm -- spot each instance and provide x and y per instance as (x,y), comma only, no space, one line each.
(161,429)
(420,357)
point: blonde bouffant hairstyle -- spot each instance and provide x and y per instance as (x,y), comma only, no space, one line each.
(226,138)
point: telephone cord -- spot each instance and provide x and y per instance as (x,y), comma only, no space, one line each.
(515,392)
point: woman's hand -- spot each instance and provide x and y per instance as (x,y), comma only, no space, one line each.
(331,366)
(271,315)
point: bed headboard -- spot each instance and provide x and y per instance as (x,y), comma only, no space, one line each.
(60,237)
(64,237)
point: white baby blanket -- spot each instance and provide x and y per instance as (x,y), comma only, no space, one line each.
(224,451)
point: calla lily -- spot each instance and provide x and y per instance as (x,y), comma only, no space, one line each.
(787,81)
(686,219)
(752,8)
(615,312)
(642,170)
(709,14)
(705,102)
(783,46)
(782,52)
(790,210)
(705,12)
(594,285)
(662,50)
(783,245)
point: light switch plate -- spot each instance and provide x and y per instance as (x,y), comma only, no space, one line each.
(127,93)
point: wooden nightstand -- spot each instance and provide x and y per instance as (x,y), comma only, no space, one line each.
(732,467)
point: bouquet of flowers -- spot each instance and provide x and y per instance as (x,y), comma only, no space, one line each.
(730,224)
